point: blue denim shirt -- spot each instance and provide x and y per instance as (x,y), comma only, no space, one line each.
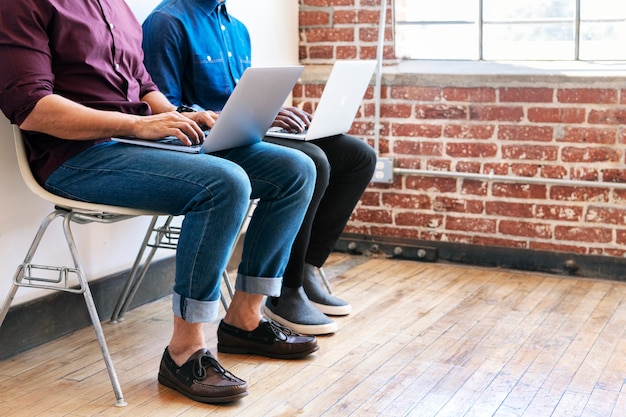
(195,51)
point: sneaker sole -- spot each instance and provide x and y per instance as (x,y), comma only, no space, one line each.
(333,310)
(226,399)
(309,329)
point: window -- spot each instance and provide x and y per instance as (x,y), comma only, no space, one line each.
(556,30)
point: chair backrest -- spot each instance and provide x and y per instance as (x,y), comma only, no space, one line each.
(37,189)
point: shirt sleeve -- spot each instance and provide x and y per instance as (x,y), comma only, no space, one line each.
(26,74)
(164,52)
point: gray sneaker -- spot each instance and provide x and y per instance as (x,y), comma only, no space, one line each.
(320,298)
(294,311)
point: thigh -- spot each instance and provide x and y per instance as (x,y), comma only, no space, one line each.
(147,178)
(346,153)
(271,168)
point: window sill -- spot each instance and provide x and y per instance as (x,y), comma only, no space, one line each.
(478,72)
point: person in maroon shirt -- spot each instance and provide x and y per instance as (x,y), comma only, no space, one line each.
(72,78)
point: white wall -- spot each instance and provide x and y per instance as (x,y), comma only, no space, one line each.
(107,249)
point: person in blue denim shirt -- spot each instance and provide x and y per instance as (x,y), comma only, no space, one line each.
(196,53)
(75,80)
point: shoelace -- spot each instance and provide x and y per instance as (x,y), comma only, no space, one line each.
(202,363)
(281,332)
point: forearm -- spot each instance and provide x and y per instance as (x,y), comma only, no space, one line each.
(158,102)
(63,118)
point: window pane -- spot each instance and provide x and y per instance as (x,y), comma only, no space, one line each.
(446,29)
(529,30)
(602,30)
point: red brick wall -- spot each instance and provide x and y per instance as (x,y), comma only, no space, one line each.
(537,125)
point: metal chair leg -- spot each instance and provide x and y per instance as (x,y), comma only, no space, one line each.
(26,269)
(136,274)
(325,280)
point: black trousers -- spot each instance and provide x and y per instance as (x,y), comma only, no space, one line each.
(345,165)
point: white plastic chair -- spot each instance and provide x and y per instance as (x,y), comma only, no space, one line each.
(60,277)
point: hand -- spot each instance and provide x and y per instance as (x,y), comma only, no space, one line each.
(293,119)
(184,126)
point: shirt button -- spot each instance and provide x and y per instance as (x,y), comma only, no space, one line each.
(117,66)
(223,27)
(208,58)
(111,26)
(230,54)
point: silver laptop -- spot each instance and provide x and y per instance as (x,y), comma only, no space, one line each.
(246,116)
(339,103)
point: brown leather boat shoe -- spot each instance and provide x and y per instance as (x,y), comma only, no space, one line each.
(269,339)
(201,378)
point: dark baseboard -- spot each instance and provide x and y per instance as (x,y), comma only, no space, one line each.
(44,319)
(562,263)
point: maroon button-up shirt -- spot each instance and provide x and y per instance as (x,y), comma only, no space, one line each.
(88,51)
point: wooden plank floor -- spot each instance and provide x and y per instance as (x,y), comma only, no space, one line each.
(424,339)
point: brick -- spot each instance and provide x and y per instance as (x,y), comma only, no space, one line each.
(431,184)
(468,166)
(422,148)
(590,154)
(558,212)
(496,113)
(587,95)
(396,110)
(406,201)
(471,224)
(530,152)
(370,198)
(372,215)
(329,35)
(589,135)
(556,247)
(608,116)
(584,173)
(620,237)
(525,133)
(583,234)
(471,150)
(526,95)
(525,170)
(497,168)
(585,194)
(552,171)
(556,115)
(343,17)
(415,93)
(614,175)
(465,131)
(440,111)
(606,215)
(529,191)
(526,229)
(313,18)
(458,205)
(321,52)
(471,95)
(431,221)
(438,165)
(346,52)
(506,209)
(473,187)
(392,231)
(416,130)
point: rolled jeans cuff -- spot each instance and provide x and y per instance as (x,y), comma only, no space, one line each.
(194,311)
(259,285)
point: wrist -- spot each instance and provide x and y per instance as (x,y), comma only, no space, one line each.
(183,108)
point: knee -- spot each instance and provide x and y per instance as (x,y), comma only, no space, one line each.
(302,169)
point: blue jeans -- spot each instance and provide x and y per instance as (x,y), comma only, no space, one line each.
(212,192)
